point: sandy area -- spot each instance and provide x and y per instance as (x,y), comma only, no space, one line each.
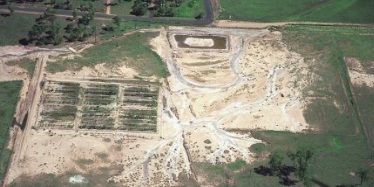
(199,42)
(100,70)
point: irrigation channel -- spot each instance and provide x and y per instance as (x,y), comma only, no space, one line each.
(227,141)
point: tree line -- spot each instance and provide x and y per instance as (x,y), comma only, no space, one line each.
(159,8)
(48,30)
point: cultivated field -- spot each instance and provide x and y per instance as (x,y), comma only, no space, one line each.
(99,104)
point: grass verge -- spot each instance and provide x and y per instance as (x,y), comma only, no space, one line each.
(9,92)
(15,27)
(190,9)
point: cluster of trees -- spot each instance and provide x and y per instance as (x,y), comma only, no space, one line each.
(139,8)
(161,8)
(289,175)
(47,30)
(81,28)
(116,25)
(67,4)
(166,9)
(5,2)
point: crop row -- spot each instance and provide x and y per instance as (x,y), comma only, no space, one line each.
(94,122)
(137,127)
(140,112)
(139,121)
(56,125)
(151,89)
(103,86)
(97,115)
(141,94)
(145,117)
(140,102)
(95,109)
(59,113)
(101,91)
(98,101)
(60,99)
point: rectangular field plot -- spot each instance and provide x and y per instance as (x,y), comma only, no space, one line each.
(139,108)
(59,104)
(99,104)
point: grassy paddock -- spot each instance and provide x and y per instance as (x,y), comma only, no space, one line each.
(132,49)
(190,9)
(9,92)
(15,27)
(123,8)
(350,11)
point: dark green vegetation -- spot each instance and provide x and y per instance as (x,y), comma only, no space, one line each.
(10,29)
(50,30)
(336,111)
(24,63)
(45,31)
(123,7)
(350,11)
(132,49)
(80,5)
(190,9)
(169,8)
(9,92)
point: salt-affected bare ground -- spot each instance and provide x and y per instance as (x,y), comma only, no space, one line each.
(255,83)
